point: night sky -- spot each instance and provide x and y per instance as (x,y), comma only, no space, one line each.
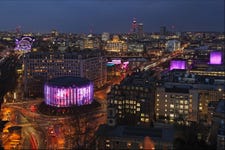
(114,16)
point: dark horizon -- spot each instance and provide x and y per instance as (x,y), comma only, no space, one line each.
(99,16)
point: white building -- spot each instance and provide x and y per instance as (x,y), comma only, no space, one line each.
(105,36)
(172,45)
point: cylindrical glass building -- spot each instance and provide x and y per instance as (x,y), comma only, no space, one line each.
(68,91)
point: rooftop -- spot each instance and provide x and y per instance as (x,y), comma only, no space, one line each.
(155,133)
(68,81)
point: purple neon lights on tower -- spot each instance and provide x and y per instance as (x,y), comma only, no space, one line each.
(216,58)
(177,64)
(60,95)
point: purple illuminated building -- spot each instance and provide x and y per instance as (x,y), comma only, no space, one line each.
(24,44)
(177,64)
(68,91)
(216,58)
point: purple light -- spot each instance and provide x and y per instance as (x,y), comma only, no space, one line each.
(216,58)
(24,44)
(124,65)
(116,61)
(68,96)
(177,64)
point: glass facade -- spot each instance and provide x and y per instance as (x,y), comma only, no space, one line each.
(68,96)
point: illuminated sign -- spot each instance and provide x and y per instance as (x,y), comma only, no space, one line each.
(68,96)
(216,58)
(177,64)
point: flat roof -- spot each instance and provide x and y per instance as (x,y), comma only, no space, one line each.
(68,81)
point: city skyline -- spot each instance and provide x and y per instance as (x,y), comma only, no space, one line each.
(99,16)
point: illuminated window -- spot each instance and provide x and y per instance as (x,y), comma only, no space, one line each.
(157,99)
(138,104)
(165,100)
(146,120)
(171,106)
(157,114)
(166,105)
(107,145)
(157,95)
(181,106)
(165,95)
(138,109)
(129,144)
(171,115)
(157,104)
(181,102)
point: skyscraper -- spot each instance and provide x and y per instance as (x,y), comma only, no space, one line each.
(140,30)
(163,30)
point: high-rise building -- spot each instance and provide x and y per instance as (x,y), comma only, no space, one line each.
(163,30)
(42,66)
(134,26)
(140,30)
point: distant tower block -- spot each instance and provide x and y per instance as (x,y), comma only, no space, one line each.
(140,30)
(163,30)
(216,58)
(134,26)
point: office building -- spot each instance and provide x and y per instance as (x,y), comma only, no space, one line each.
(185,97)
(133,99)
(172,45)
(163,30)
(116,45)
(135,47)
(42,66)
(140,30)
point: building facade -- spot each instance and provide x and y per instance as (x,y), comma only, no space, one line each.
(42,66)
(185,97)
(116,45)
(133,100)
